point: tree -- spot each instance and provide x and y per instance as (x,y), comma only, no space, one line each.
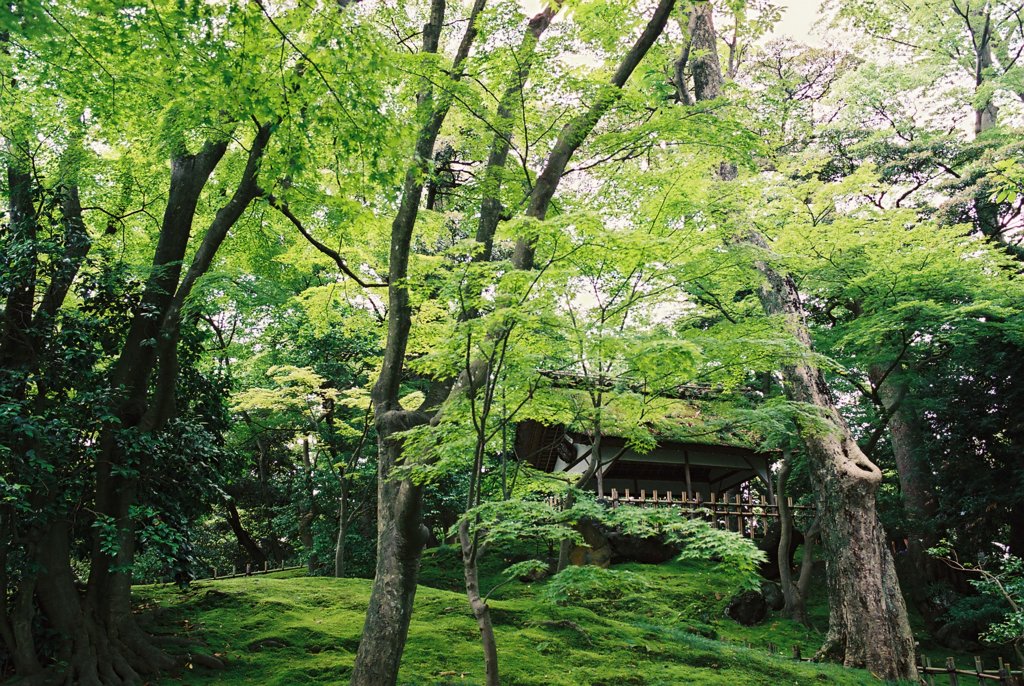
(99,483)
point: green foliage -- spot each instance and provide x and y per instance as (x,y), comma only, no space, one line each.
(593,587)
(999,580)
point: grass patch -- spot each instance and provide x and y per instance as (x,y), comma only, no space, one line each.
(300,630)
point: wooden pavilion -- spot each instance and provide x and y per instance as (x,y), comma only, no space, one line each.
(700,471)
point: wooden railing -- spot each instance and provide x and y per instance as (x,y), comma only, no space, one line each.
(748,515)
(1004,674)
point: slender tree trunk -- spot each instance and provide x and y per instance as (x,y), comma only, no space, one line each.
(579,128)
(481,611)
(795,594)
(490,204)
(339,544)
(868,624)
(244,538)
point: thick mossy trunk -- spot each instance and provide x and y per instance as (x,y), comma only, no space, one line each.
(868,624)
(95,643)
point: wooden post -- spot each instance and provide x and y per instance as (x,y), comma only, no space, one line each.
(928,674)
(951,671)
(739,515)
(214,572)
(796,652)
(266,565)
(655,496)
(978,668)
(689,483)
(627,495)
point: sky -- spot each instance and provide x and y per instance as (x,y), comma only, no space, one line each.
(797,21)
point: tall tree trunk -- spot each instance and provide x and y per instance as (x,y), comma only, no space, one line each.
(981,35)
(907,447)
(868,624)
(400,536)
(703,53)
(339,544)
(490,204)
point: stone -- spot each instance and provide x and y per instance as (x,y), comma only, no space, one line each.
(772,593)
(748,608)
(652,550)
(596,550)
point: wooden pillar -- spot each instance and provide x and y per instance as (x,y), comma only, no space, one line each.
(689,483)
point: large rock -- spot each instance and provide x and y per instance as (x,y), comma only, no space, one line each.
(652,550)
(772,593)
(769,569)
(596,551)
(748,608)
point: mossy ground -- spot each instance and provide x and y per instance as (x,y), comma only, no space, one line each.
(288,630)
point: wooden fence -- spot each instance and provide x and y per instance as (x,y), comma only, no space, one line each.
(749,515)
(1004,674)
(252,571)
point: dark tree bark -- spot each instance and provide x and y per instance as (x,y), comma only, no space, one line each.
(99,642)
(249,545)
(868,624)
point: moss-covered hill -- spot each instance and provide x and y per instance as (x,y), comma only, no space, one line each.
(666,627)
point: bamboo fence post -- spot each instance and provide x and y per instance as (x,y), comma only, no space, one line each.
(951,671)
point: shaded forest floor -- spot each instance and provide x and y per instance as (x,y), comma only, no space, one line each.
(668,629)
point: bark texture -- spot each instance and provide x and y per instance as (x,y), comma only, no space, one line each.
(868,624)
(703,53)
(481,611)
(794,593)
